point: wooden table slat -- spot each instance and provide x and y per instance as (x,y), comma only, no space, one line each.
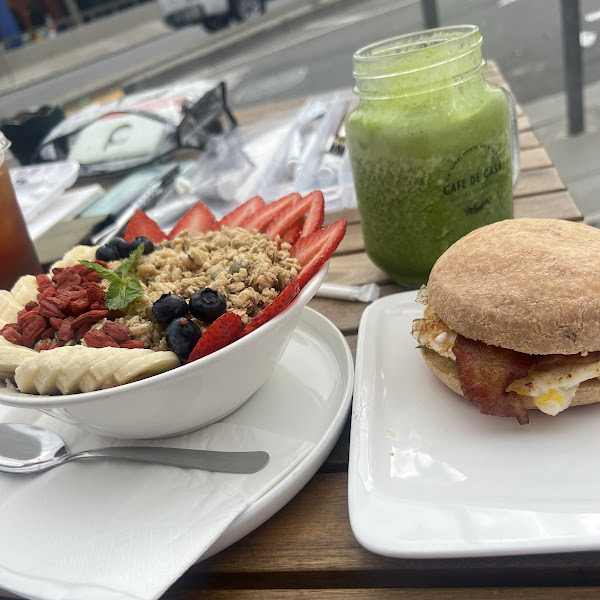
(461,593)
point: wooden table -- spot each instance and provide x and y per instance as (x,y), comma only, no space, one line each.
(307,550)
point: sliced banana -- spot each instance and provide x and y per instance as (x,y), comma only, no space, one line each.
(25,373)
(105,362)
(25,289)
(71,369)
(11,357)
(9,307)
(73,256)
(76,364)
(145,366)
(51,365)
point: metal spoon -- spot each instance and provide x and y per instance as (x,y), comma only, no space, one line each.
(31,449)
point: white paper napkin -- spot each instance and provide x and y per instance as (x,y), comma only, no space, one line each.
(103,530)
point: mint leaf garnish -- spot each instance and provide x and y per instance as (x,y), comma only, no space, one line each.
(123,269)
(119,296)
(122,289)
(102,271)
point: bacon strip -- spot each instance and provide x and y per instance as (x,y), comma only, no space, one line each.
(484,372)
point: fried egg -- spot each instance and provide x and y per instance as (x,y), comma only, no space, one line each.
(553,388)
(433,333)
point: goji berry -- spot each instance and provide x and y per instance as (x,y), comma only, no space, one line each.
(48,333)
(132,344)
(102,263)
(43,281)
(80,269)
(49,309)
(95,293)
(80,306)
(67,279)
(47,292)
(42,347)
(94,277)
(33,325)
(96,339)
(91,316)
(98,306)
(31,305)
(55,322)
(82,330)
(66,330)
(12,335)
(117,331)
(27,315)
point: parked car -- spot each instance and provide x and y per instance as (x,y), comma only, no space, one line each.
(213,14)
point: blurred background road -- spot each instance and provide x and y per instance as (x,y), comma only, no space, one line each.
(303,47)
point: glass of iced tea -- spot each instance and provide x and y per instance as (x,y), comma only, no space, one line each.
(17,253)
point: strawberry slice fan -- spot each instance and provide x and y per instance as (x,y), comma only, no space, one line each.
(293,219)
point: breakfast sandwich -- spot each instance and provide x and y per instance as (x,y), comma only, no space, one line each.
(512,317)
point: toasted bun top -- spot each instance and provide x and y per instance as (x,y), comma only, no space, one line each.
(531,285)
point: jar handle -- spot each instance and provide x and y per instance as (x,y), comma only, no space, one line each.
(514,138)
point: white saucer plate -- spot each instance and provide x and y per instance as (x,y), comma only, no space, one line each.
(431,477)
(308,397)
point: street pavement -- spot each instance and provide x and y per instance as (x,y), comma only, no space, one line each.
(575,157)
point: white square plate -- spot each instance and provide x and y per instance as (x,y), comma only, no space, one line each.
(431,477)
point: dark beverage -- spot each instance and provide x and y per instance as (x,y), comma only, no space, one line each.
(17,253)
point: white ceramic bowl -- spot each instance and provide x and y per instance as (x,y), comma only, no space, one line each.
(185,398)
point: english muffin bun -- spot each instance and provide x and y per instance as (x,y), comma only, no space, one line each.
(446,370)
(529,285)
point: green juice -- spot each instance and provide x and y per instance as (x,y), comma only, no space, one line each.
(428,168)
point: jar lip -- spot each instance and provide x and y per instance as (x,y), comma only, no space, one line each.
(440,37)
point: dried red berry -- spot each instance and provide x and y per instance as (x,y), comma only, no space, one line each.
(117,331)
(33,324)
(98,339)
(80,306)
(43,281)
(12,335)
(132,344)
(66,330)
(48,309)
(95,293)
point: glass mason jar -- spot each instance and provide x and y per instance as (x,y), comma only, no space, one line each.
(430,147)
(17,253)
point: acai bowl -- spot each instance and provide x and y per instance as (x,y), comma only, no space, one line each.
(130,374)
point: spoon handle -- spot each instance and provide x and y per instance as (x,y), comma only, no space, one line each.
(208,460)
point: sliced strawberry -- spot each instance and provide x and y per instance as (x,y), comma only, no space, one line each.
(286,296)
(141,224)
(316,213)
(324,241)
(199,219)
(287,217)
(263,217)
(236,217)
(321,245)
(292,234)
(222,332)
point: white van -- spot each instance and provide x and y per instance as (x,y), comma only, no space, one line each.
(213,14)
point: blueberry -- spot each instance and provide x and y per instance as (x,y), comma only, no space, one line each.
(207,305)
(123,248)
(107,253)
(148,245)
(182,335)
(169,307)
